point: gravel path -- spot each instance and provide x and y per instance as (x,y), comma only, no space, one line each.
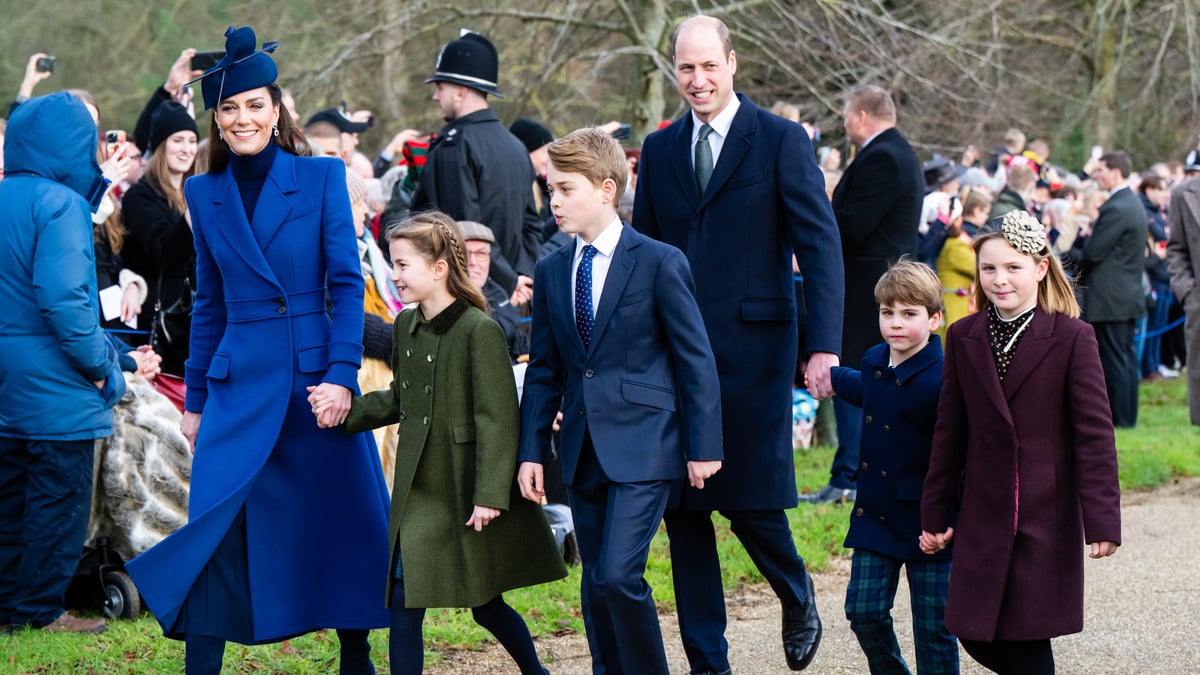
(1142,610)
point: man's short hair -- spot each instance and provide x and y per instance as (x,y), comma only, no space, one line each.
(717,24)
(593,154)
(1021,178)
(323,130)
(873,100)
(909,282)
(1119,161)
(1014,140)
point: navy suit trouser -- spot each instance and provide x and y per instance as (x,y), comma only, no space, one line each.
(614,525)
(844,473)
(45,502)
(696,568)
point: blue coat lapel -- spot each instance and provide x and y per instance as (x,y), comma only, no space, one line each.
(235,229)
(615,282)
(564,303)
(737,144)
(273,203)
(681,159)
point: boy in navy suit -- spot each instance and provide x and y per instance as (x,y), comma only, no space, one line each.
(897,390)
(619,346)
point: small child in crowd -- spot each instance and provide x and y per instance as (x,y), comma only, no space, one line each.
(454,396)
(898,390)
(619,346)
(1025,435)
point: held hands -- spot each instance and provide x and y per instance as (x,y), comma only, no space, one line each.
(817,377)
(481,516)
(189,425)
(529,479)
(148,362)
(1103,549)
(330,403)
(933,542)
(699,471)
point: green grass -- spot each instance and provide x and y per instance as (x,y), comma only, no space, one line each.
(1163,445)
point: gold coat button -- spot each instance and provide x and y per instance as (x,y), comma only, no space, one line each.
(867,419)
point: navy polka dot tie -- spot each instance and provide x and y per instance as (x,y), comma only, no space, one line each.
(584,320)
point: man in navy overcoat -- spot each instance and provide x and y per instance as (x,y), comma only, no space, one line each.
(762,200)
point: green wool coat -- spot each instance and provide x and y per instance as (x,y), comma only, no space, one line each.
(455,399)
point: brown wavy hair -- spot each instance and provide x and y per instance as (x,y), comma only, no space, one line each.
(435,235)
(290,138)
(158,176)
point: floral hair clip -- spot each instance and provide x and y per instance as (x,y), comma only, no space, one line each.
(1024,232)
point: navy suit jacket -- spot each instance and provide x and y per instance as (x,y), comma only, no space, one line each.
(765,201)
(646,389)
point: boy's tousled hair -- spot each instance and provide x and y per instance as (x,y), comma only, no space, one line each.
(435,236)
(910,282)
(1055,294)
(593,154)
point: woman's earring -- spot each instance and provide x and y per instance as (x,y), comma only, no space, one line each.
(275,129)
(220,136)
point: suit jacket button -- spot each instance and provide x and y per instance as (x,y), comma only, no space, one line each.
(864,465)
(858,511)
(899,383)
(589,372)
(582,412)
(867,419)
(883,474)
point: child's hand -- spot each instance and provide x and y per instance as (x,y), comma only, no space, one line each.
(481,516)
(1103,549)
(529,479)
(933,542)
(699,471)
(330,404)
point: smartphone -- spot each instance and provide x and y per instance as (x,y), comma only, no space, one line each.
(45,64)
(1097,151)
(113,138)
(206,60)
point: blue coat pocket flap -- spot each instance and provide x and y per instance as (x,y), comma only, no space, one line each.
(768,309)
(648,394)
(218,368)
(313,359)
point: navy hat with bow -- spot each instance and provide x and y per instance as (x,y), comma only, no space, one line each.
(241,69)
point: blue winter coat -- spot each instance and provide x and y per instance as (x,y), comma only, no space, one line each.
(279,307)
(899,412)
(52,348)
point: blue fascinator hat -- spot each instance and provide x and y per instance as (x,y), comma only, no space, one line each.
(241,69)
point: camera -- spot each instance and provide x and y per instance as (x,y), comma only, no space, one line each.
(621,133)
(206,60)
(45,64)
(113,138)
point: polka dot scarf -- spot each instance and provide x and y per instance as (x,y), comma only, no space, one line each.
(1004,335)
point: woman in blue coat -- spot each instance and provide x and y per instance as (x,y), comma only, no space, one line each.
(287,528)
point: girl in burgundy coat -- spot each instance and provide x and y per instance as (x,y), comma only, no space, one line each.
(1024,428)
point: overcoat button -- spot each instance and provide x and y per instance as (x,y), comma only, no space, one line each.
(428,389)
(403,416)
(408,352)
(883,474)
(886,428)
(867,419)
(589,372)
(878,375)
(404,384)
(425,420)
(429,358)
(581,412)
(858,512)
(899,383)
(282,309)
(864,465)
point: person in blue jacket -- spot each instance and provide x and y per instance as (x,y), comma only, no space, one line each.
(59,376)
(287,528)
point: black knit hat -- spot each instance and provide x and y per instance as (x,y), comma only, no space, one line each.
(168,118)
(532,134)
(471,61)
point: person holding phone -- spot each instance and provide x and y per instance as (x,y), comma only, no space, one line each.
(39,67)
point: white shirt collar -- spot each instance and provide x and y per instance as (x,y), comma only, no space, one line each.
(606,241)
(871,138)
(1122,186)
(721,123)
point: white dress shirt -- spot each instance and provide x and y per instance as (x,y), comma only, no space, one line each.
(720,130)
(606,244)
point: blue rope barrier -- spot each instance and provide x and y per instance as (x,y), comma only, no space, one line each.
(1159,331)
(122,331)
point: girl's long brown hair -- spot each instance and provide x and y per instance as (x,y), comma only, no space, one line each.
(158,175)
(435,235)
(290,138)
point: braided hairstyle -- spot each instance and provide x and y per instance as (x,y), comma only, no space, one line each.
(435,235)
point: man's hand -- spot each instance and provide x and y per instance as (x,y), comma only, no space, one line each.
(397,145)
(524,291)
(529,479)
(699,471)
(180,74)
(817,376)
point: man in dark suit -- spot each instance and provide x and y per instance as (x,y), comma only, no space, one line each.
(738,190)
(878,207)
(633,373)
(1113,299)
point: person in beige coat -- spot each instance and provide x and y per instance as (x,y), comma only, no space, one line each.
(1183,262)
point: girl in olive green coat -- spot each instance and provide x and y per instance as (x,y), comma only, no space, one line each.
(460,533)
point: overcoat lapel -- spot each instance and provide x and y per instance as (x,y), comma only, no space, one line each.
(737,144)
(1031,350)
(614,283)
(235,229)
(273,203)
(681,160)
(978,351)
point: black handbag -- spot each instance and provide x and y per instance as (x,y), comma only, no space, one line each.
(172,325)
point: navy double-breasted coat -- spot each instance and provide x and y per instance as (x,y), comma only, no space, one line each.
(279,307)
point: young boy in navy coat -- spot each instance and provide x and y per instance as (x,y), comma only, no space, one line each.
(898,389)
(619,346)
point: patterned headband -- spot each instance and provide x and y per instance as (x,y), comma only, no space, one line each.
(1024,232)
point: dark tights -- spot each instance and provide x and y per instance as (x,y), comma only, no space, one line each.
(1013,657)
(407,649)
(204,654)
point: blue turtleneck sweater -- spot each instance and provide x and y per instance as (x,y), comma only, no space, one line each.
(250,172)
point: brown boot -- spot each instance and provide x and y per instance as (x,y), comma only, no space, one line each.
(69,623)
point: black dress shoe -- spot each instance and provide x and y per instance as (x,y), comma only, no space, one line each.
(801,633)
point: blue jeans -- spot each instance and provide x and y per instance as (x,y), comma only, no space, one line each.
(1155,320)
(45,502)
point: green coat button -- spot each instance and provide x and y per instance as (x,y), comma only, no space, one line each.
(425,421)
(428,389)
(404,384)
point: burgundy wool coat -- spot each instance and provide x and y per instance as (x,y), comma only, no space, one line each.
(1037,461)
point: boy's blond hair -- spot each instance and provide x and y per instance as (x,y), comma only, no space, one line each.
(910,283)
(593,154)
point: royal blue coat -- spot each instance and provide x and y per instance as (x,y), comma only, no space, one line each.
(279,307)
(899,412)
(765,202)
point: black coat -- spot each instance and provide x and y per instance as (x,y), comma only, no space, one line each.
(1113,260)
(477,170)
(878,208)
